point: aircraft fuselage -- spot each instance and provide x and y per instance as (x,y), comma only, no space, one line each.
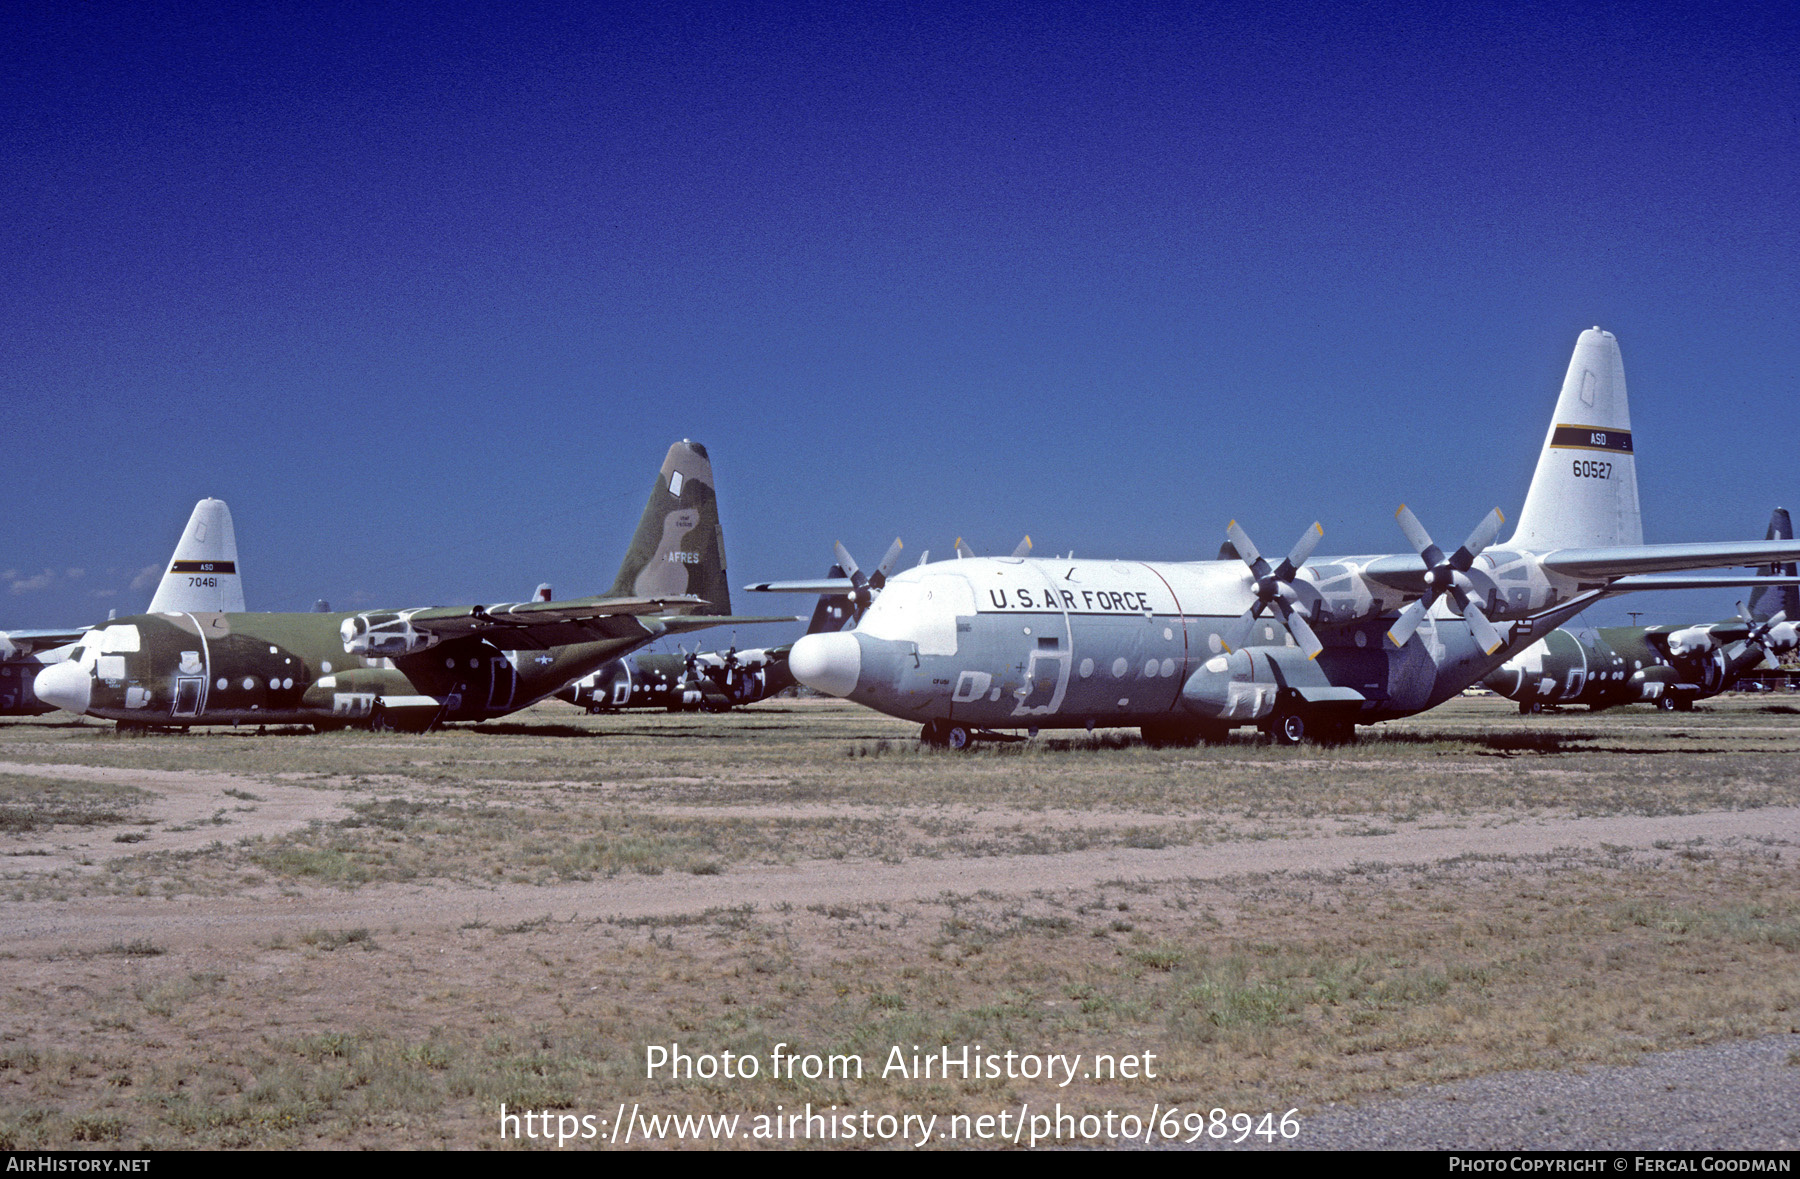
(1033,643)
(213,669)
(1615,665)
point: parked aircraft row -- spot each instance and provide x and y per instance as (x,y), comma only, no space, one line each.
(410,668)
(1183,650)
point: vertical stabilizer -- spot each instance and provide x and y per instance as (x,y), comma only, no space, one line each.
(203,574)
(1770,600)
(679,547)
(1584,493)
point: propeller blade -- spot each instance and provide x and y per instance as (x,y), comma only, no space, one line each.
(1481,538)
(1023,549)
(1419,538)
(1407,623)
(887,564)
(1309,540)
(1483,630)
(1240,540)
(1239,631)
(963,550)
(924,558)
(1303,634)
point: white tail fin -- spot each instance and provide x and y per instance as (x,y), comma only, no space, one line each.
(203,575)
(1584,494)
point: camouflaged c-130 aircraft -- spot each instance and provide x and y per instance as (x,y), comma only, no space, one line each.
(1302,649)
(409,669)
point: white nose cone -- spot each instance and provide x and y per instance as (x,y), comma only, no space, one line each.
(66,685)
(827,663)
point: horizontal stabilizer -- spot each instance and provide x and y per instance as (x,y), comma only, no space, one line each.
(1694,581)
(1600,564)
(818,585)
(681,624)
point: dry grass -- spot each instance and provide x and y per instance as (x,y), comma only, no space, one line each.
(1256,994)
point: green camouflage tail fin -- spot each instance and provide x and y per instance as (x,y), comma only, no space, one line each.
(679,547)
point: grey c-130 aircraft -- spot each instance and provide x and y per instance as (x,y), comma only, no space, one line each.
(1303,649)
(409,669)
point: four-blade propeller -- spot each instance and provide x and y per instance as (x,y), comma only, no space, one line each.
(866,587)
(1274,589)
(1448,575)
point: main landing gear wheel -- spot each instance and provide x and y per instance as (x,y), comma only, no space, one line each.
(1666,703)
(944,735)
(1287,728)
(1530,708)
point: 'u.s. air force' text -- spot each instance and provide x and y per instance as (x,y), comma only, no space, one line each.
(1086,601)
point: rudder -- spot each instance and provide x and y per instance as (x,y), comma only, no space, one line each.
(203,574)
(1769,600)
(1584,493)
(679,547)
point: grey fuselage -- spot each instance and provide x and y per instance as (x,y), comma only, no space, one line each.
(1015,643)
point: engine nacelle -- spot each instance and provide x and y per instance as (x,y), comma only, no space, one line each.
(1337,592)
(1692,640)
(385,634)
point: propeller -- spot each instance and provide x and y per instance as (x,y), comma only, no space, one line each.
(1776,634)
(1274,588)
(866,587)
(1448,575)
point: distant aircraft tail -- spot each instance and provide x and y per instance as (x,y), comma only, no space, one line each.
(679,547)
(1584,493)
(203,576)
(833,610)
(1770,600)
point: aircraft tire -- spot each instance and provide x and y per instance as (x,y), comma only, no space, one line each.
(933,735)
(1666,702)
(958,737)
(1530,708)
(1287,728)
(380,721)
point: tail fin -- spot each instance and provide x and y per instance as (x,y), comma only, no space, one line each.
(833,610)
(1584,494)
(203,574)
(679,547)
(1769,600)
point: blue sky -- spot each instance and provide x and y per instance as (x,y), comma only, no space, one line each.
(425,292)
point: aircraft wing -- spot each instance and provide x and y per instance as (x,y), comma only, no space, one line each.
(821,585)
(520,625)
(15,644)
(1605,564)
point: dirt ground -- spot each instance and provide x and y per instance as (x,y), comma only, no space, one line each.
(227,939)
